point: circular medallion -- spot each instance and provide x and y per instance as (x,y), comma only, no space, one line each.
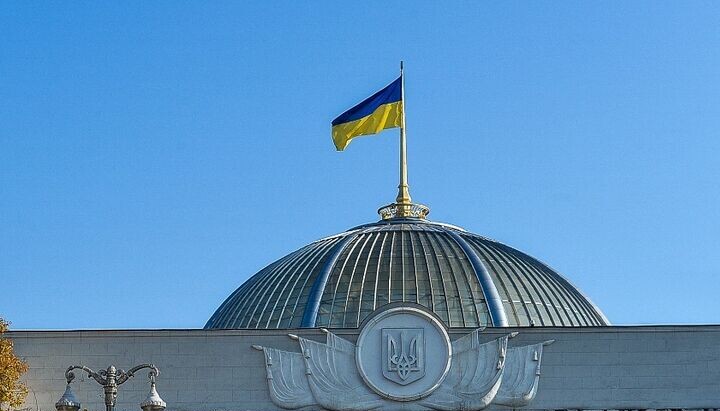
(403,353)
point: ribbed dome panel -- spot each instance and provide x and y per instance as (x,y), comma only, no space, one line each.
(402,265)
(533,294)
(271,298)
(466,279)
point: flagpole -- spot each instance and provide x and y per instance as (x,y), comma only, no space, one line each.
(403,206)
(403,196)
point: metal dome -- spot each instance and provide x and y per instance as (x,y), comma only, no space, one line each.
(466,279)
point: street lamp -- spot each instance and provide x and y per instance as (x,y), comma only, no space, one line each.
(110,379)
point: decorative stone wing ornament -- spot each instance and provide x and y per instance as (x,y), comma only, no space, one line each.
(403,359)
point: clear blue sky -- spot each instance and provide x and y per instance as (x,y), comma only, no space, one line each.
(154,155)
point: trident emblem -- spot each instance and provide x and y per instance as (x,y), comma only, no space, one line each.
(403,354)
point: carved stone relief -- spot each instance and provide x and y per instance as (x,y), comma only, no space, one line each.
(404,359)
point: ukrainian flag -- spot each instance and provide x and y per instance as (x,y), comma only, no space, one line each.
(378,112)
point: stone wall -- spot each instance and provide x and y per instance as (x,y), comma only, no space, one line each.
(650,367)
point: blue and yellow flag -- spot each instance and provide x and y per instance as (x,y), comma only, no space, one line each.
(376,113)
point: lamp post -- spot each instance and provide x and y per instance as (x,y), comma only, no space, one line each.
(110,379)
